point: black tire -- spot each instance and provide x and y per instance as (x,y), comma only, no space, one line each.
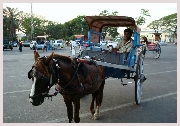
(138,83)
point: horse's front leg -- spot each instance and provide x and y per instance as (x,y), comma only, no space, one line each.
(76,110)
(69,108)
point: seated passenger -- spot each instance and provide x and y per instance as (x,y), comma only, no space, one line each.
(125,44)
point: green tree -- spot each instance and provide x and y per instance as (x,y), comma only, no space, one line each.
(156,25)
(38,25)
(10,22)
(111,31)
(141,20)
(169,23)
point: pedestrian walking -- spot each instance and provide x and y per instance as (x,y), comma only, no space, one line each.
(73,48)
(20,46)
(45,46)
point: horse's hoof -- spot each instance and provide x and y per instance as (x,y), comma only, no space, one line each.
(96,116)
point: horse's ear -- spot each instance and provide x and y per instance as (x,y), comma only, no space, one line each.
(49,58)
(36,56)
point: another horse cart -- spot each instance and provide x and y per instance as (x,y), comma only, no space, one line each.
(118,65)
(154,47)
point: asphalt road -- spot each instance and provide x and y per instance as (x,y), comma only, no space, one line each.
(159,99)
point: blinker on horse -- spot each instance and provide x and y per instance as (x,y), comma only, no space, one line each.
(72,79)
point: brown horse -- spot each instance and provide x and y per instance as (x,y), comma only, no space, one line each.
(71,78)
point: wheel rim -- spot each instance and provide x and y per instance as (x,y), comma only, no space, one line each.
(138,81)
(139,91)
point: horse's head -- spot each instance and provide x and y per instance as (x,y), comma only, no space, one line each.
(40,79)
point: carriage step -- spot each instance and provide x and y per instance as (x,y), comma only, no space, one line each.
(126,84)
(123,84)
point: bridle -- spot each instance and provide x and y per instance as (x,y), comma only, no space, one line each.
(48,80)
(45,80)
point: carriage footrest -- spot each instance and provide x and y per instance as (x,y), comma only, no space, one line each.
(124,84)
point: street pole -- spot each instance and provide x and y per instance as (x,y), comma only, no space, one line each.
(31,23)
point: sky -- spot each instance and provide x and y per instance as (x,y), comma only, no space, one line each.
(63,12)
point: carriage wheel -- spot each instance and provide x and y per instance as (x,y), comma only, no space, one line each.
(138,80)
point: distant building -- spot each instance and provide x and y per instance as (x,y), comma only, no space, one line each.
(150,34)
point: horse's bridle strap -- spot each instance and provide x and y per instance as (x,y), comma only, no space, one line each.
(72,91)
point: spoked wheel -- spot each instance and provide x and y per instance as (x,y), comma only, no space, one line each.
(139,78)
(157,52)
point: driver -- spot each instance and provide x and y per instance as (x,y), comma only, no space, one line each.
(125,44)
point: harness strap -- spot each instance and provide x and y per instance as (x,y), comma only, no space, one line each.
(73,75)
(71,91)
(58,68)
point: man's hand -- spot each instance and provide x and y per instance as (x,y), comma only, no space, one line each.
(114,50)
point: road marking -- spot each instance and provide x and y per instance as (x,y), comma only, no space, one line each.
(113,108)
(16,92)
(25,64)
(12,76)
(23,75)
(161,72)
(169,67)
(158,63)
(15,76)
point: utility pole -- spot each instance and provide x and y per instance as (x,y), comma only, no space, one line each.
(32,28)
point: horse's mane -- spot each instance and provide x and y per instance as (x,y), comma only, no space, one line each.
(63,58)
(39,65)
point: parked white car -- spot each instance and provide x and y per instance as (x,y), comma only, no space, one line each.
(111,45)
(58,44)
(32,44)
(162,43)
(103,43)
(39,45)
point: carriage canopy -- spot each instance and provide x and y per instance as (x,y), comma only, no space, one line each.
(96,23)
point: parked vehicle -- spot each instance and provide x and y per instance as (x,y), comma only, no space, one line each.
(85,44)
(58,44)
(111,45)
(32,45)
(7,44)
(26,44)
(40,45)
(162,43)
(102,42)
(14,44)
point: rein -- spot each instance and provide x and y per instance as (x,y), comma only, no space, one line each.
(58,72)
(64,90)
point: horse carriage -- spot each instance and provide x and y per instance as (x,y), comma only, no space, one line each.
(117,65)
(78,76)
(154,47)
